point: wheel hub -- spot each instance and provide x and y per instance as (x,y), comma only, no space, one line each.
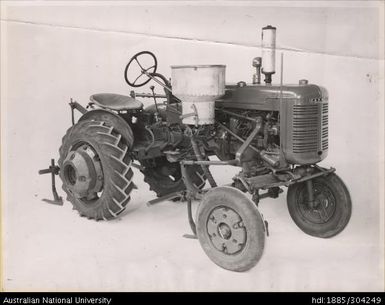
(226,230)
(324,205)
(82,172)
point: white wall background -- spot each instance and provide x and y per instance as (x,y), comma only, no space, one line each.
(53,51)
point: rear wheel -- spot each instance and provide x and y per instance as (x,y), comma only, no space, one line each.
(332,206)
(165,177)
(95,168)
(230,229)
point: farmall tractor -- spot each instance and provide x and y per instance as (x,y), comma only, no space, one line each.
(275,134)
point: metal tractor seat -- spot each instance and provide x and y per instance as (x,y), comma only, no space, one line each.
(115,101)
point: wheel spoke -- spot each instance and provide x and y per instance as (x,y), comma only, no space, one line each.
(137,79)
(137,61)
(145,70)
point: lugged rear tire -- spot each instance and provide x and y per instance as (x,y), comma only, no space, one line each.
(166,177)
(112,154)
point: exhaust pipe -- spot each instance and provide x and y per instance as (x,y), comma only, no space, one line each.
(257,62)
(268,52)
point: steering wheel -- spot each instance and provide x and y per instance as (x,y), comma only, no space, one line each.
(147,66)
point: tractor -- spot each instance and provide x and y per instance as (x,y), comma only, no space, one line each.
(276,134)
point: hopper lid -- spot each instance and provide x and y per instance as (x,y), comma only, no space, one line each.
(198,66)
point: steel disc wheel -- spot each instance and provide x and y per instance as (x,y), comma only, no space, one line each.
(332,206)
(226,230)
(82,173)
(230,229)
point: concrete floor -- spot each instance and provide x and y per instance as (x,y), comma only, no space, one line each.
(51,248)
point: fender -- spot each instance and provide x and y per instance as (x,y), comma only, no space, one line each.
(114,120)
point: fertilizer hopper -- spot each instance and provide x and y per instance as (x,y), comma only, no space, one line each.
(198,86)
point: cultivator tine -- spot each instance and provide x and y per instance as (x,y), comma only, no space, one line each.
(166,197)
(53,170)
(190,236)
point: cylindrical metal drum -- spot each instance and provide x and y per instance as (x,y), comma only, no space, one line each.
(198,87)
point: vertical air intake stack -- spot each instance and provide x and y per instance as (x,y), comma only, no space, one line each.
(268,52)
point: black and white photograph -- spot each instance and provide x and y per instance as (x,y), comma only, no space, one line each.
(192,146)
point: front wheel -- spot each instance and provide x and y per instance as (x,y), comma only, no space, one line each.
(331,210)
(230,229)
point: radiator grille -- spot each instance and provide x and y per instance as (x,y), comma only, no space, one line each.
(305,128)
(325,126)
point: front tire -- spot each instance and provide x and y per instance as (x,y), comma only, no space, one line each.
(332,211)
(95,167)
(230,229)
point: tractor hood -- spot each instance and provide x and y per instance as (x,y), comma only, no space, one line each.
(267,97)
